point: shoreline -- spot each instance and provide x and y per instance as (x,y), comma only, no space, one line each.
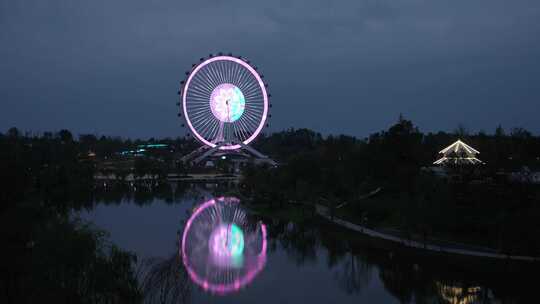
(323,212)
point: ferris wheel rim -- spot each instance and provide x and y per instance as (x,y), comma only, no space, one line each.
(261,84)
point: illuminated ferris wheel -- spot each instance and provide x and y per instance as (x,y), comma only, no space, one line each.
(224,102)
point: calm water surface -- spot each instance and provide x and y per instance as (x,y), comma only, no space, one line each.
(306,263)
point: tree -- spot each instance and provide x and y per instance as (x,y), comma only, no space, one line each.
(461,131)
(13,132)
(499,131)
(65,136)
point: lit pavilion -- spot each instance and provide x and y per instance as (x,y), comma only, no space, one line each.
(458,153)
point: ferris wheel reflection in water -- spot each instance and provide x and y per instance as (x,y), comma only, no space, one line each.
(221,249)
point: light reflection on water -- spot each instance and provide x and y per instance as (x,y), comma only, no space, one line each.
(305,262)
(221,249)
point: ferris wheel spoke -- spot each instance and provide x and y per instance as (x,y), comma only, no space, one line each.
(195,95)
(198,80)
(210,78)
(212,73)
(195,87)
(255,92)
(209,129)
(256,99)
(201,115)
(254,107)
(199,105)
(195,99)
(215,131)
(199,92)
(224,71)
(204,126)
(227,72)
(232,73)
(256,110)
(252,121)
(253,89)
(197,109)
(237,132)
(217,71)
(237,72)
(245,130)
(204,83)
(200,125)
(251,115)
(197,114)
(199,99)
(241,131)
(202,78)
(245,76)
(203,87)
(259,111)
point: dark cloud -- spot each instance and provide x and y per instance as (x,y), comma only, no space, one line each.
(112,67)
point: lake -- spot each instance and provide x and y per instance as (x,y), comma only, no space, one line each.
(307,262)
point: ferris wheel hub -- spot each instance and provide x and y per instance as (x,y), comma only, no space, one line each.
(227,102)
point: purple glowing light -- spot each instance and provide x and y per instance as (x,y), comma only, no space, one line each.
(221,115)
(232,255)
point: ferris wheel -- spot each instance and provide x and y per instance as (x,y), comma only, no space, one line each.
(224,102)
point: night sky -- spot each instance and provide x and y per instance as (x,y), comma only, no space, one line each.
(113,67)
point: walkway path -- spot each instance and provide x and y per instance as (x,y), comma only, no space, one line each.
(324,212)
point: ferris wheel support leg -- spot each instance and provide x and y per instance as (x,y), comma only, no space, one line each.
(207,153)
(210,151)
(193,154)
(258,154)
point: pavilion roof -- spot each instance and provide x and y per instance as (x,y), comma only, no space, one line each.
(458,153)
(459,146)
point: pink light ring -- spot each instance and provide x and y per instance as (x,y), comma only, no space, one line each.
(222,288)
(261,84)
(263,249)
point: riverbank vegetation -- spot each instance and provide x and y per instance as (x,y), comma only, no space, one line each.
(47,253)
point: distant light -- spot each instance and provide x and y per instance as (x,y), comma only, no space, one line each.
(223,157)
